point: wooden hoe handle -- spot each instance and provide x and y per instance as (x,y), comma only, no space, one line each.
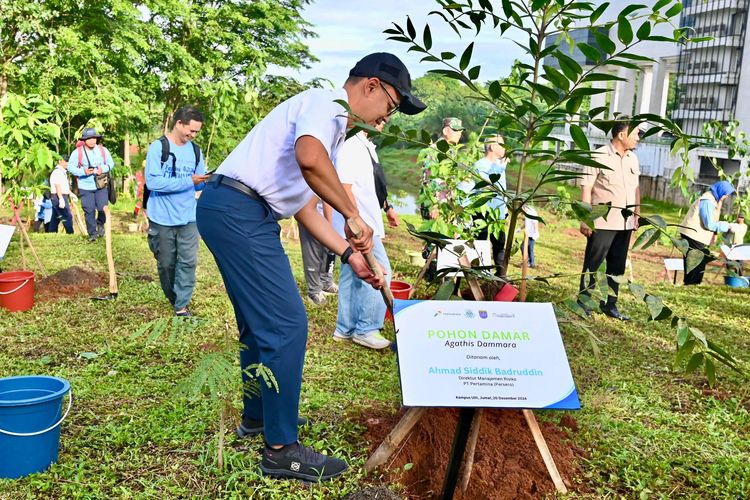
(385,291)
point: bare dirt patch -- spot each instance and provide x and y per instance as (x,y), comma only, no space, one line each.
(71,282)
(507,462)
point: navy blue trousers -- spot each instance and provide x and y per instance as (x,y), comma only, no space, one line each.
(93,203)
(243,237)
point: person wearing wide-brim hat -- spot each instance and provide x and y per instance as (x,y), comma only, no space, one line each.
(89,160)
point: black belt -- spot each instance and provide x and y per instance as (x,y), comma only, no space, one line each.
(219,179)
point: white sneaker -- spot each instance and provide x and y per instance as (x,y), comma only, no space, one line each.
(331,289)
(373,340)
(341,337)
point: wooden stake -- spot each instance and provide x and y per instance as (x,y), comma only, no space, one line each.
(420,276)
(77,214)
(110,259)
(471,447)
(25,234)
(394,439)
(476,422)
(536,432)
(541,445)
(524,268)
(23,252)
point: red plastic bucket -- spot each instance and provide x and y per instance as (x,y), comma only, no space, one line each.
(400,290)
(17,290)
(507,293)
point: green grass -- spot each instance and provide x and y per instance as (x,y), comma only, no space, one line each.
(646,428)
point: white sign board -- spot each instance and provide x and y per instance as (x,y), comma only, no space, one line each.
(6,233)
(674,264)
(448,256)
(482,354)
(737,252)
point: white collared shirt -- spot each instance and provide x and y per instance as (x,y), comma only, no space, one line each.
(354,166)
(59,176)
(265,159)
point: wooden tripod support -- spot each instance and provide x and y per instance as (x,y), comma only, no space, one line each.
(467,430)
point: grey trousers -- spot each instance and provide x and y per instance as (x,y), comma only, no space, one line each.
(317,261)
(176,252)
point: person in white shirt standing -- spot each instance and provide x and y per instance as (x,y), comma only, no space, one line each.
(361,309)
(279,170)
(59,187)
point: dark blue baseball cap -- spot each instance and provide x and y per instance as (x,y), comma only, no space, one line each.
(389,69)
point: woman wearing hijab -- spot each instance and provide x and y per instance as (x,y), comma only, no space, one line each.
(701,224)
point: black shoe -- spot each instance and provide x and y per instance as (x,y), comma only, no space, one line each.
(299,462)
(612,312)
(93,238)
(100,229)
(249,427)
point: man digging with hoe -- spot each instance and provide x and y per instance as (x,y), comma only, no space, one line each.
(276,172)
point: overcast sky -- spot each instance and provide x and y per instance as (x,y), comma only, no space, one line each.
(349,30)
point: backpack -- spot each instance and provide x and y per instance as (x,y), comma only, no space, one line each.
(165,154)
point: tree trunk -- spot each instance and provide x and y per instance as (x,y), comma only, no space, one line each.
(3,88)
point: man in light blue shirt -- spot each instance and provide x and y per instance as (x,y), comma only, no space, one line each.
(86,163)
(172,235)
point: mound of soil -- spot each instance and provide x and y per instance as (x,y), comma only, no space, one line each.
(507,462)
(70,282)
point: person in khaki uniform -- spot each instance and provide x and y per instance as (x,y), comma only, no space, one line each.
(610,239)
(700,225)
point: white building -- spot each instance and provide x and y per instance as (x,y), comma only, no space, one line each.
(706,81)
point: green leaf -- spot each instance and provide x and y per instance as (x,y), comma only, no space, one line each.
(695,361)
(656,308)
(427,37)
(644,31)
(598,12)
(684,352)
(637,290)
(624,30)
(644,237)
(445,291)
(604,42)
(579,137)
(658,5)
(466,57)
(495,89)
(694,258)
(474,72)
(674,10)
(699,335)
(710,371)
(410,28)
(589,51)
(682,335)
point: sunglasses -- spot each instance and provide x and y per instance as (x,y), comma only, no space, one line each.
(394,104)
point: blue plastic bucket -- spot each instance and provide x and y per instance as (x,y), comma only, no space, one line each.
(736,281)
(30,418)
